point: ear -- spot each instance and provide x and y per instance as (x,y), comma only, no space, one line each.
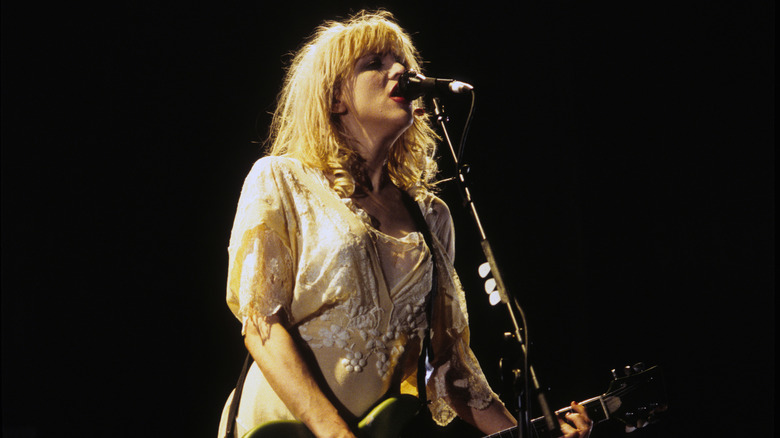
(338,107)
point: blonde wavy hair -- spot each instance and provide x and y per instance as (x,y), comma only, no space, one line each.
(304,126)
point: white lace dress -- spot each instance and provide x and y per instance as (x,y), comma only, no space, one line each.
(355,296)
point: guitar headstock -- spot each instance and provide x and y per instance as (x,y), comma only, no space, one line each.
(637,397)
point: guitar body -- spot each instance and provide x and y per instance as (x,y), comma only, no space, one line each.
(386,420)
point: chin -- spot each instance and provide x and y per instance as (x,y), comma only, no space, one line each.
(405,125)
(408,119)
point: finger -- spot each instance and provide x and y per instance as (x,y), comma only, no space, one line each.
(579,409)
(578,421)
(567,430)
(580,418)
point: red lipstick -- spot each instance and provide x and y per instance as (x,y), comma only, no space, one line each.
(397,97)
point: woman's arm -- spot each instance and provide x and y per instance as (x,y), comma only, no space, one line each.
(276,353)
(496,418)
(492,419)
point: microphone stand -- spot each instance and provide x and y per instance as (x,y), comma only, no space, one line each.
(512,306)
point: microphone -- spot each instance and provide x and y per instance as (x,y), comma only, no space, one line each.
(412,85)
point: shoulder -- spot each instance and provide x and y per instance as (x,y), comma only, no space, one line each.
(437,215)
(268,179)
(272,171)
(434,209)
(274,165)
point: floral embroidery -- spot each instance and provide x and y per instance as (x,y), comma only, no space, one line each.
(335,335)
(362,324)
(354,362)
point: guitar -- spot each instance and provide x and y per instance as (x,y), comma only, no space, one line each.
(637,399)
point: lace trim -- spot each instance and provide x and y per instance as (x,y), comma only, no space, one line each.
(265,278)
(460,379)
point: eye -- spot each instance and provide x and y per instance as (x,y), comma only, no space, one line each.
(374,63)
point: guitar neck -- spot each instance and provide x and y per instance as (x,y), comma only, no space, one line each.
(595,407)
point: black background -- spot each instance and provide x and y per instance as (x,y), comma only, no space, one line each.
(623,164)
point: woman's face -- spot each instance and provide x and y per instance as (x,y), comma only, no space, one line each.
(368,104)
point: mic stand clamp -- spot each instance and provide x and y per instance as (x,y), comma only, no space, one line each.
(527,374)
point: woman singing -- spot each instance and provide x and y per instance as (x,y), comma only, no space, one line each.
(329,272)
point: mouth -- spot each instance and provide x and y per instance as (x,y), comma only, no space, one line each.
(396,95)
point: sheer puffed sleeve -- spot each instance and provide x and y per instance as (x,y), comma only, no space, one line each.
(261,252)
(456,374)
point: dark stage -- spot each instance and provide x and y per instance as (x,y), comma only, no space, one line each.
(622,161)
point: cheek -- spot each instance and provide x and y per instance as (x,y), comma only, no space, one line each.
(368,97)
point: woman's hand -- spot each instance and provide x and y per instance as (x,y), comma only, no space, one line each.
(576,423)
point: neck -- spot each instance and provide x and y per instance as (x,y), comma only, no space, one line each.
(377,176)
(373,145)
(596,408)
(370,181)
(373,165)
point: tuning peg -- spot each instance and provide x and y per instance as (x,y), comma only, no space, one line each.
(639,367)
(624,372)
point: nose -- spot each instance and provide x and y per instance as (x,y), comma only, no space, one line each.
(396,70)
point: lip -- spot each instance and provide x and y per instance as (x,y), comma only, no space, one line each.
(396,97)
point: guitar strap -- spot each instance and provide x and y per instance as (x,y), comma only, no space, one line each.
(426,354)
(230,431)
